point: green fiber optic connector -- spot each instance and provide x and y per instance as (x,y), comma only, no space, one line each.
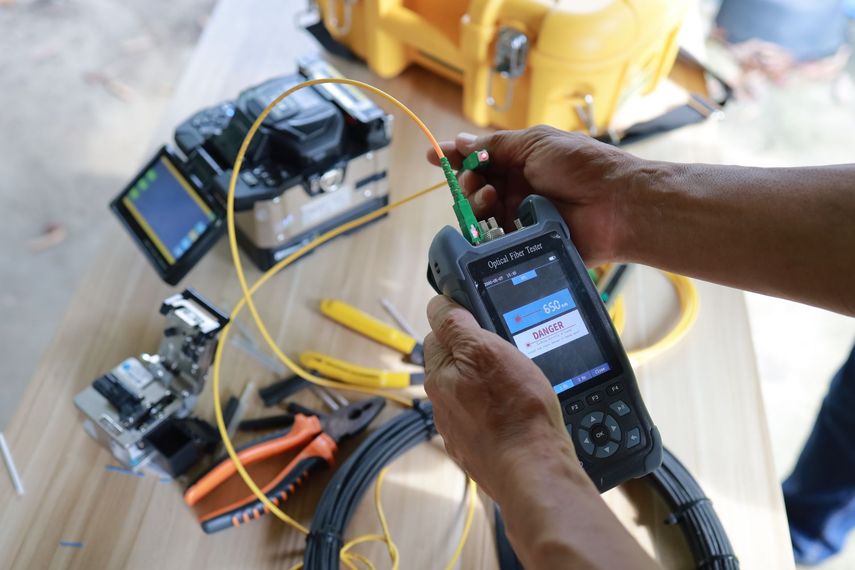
(476,160)
(462,209)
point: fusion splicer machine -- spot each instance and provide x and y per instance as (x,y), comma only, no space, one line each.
(318,160)
(531,288)
(140,409)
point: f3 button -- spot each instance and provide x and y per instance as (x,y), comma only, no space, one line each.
(595,398)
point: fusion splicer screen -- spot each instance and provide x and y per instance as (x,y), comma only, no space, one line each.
(534,304)
(168,209)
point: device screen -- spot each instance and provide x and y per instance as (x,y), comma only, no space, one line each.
(167,209)
(534,304)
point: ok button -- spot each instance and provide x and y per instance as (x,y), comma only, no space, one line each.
(600,434)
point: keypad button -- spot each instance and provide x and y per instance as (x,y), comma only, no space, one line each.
(574,407)
(613,427)
(595,398)
(585,442)
(590,419)
(633,438)
(614,388)
(606,450)
(619,407)
(600,434)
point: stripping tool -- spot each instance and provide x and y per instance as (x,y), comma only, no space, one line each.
(314,438)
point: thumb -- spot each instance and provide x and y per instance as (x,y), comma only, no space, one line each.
(506,148)
(451,323)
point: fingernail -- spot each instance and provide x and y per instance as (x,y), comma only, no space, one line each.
(465,141)
(478,199)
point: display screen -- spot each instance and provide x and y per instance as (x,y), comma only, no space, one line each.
(531,297)
(169,211)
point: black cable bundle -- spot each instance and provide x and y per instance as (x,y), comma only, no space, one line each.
(352,479)
(693,511)
(690,508)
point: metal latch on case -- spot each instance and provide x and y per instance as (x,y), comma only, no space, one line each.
(585,111)
(509,63)
(340,27)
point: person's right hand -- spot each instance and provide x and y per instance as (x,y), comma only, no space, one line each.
(581,176)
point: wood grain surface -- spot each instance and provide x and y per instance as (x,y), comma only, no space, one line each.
(704,395)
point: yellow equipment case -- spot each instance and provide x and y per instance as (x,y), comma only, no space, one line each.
(567,63)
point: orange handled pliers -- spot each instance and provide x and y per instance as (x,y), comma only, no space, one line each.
(316,438)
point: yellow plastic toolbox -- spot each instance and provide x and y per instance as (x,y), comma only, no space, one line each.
(567,63)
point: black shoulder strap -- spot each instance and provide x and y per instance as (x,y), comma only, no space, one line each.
(698,109)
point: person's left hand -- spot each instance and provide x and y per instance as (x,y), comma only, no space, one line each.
(493,406)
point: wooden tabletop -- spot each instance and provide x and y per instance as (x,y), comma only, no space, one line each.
(704,395)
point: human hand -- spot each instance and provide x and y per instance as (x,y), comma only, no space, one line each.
(493,406)
(583,177)
(502,424)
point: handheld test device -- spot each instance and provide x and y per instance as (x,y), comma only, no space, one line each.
(530,287)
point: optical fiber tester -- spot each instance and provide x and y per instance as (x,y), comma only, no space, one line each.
(530,287)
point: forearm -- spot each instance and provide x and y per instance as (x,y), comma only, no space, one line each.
(783,232)
(555,518)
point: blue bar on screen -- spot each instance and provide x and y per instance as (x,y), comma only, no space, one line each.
(538,311)
(583,377)
(528,275)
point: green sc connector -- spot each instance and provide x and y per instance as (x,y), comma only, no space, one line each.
(462,209)
(476,160)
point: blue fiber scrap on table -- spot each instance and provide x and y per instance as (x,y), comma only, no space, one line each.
(123,470)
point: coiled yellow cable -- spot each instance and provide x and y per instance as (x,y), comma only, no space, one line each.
(690,304)
(247,301)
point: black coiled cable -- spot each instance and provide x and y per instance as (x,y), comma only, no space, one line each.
(690,508)
(351,480)
(694,512)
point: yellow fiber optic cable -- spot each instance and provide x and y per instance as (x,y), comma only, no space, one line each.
(348,559)
(247,299)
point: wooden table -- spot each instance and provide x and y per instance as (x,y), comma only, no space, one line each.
(704,394)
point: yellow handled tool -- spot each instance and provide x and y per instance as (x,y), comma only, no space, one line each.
(376,330)
(350,373)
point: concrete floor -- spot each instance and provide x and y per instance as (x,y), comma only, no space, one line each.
(82,85)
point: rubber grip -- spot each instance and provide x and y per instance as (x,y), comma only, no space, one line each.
(321,451)
(305,428)
(366,325)
(354,374)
